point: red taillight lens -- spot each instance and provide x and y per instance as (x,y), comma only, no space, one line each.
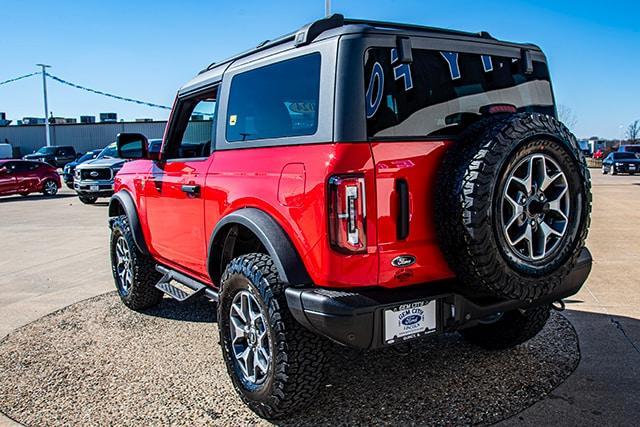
(347,213)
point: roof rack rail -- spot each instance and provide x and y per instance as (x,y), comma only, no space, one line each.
(395,25)
(262,46)
(311,31)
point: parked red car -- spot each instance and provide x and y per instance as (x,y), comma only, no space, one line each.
(24,177)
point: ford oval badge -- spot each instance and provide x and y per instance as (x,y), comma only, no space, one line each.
(412,319)
(94,174)
(403,261)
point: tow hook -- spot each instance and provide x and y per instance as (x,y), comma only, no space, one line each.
(558,305)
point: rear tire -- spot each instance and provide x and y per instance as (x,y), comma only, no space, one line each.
(513,328)
(134,273)
(297,356)
(49,188)
(88,200)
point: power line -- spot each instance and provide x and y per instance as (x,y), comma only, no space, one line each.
(18,78)
(110,95)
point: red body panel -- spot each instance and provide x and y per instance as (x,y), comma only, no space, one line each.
(290,184)
(29,181)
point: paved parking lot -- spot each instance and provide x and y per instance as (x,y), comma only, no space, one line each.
(53,252)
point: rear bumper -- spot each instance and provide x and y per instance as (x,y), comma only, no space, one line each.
(356,319)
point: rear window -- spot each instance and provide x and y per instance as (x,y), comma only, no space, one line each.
(440,93)
(275,101)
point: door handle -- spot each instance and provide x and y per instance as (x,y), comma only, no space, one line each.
(193,190)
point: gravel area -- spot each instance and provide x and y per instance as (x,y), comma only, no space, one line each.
(98,363)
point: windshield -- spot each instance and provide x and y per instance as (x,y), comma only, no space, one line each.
(85,157)
(46,150)
(110,151)
(625,156)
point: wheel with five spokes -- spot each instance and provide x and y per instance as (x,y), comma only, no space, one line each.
(275,364)
(513,205)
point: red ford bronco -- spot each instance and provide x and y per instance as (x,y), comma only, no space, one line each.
(368,183)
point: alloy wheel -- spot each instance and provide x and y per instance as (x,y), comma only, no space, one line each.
(124,267)
(535,207)
(250,338)
(50,188)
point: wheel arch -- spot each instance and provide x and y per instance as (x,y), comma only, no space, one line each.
(271,237)
(122,203)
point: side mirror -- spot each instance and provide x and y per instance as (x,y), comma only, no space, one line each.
(132,146)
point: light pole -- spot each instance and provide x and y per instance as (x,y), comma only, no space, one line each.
(327,7)
(46,106)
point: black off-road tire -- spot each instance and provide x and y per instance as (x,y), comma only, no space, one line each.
(513,328)
(142,294)
(88,200)
(298,355)
(467,199)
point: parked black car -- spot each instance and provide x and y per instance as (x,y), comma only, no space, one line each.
(621,162)
(56,156)
(69,169)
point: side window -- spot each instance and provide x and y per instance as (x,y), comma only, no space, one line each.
(193,134)
(21,166)
(275,101)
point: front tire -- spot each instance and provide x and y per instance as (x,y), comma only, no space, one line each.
(133,272)
(275,364)
(513,328)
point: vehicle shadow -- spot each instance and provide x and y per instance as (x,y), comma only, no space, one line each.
(34,197)
(192,310)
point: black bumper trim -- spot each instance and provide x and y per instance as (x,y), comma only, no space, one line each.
(355,318)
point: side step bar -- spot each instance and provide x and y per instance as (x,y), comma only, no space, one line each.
(193,287)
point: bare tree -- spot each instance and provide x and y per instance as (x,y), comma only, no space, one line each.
(633,132)
(566,116)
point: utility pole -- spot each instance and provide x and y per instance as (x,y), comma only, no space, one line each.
(46,106)
(327,7)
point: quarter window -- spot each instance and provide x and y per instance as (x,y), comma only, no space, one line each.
(275,101)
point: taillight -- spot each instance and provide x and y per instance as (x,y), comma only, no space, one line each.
(347,213)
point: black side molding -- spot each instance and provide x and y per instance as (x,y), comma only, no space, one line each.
(285,257)
(122,201)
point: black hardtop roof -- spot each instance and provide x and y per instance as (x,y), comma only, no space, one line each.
(340,25)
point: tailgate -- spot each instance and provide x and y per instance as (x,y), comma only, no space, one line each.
(405,174)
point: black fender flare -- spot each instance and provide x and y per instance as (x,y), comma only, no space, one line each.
(122,202)
(274,239)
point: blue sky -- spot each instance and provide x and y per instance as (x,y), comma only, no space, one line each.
(146,49)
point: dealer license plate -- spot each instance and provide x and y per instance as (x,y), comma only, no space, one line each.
(94,187)
(409,321)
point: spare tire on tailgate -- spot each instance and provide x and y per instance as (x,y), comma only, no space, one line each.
(513,205)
